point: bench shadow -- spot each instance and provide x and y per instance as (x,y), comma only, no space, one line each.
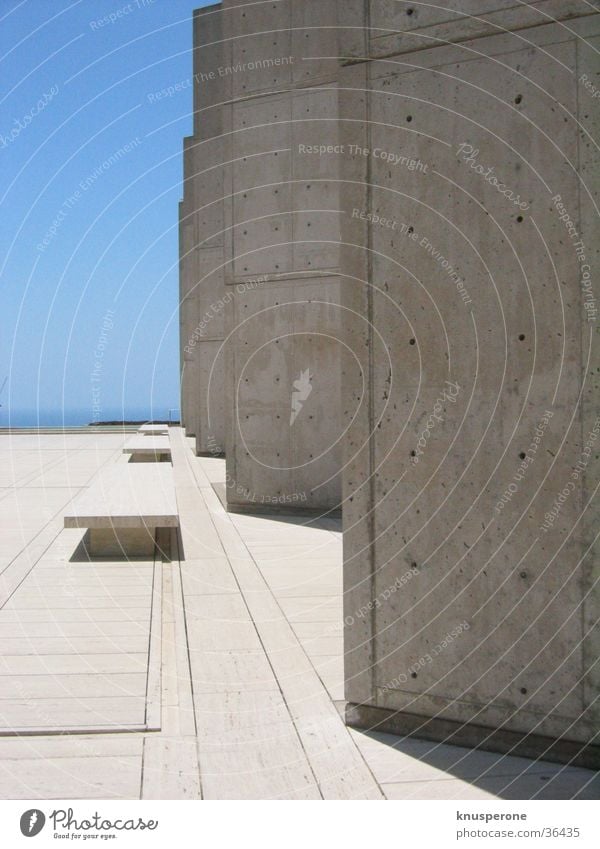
(81,554)
(159,457)
(168,547)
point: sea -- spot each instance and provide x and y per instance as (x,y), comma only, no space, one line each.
(15,418)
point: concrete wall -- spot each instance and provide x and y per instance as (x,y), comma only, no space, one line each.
(393,293)
(202,240)
(283,328)
(261,325)
(471,614)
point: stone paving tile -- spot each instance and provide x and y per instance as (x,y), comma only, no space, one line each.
(251,652)
(61,661)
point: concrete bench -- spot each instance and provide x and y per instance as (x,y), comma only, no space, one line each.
(148,448)
(124,508)
(154,430)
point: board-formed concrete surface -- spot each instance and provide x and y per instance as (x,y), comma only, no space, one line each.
(202,239)
(472,597)
(261,324)
(284,336)
(233,645)
(403,211)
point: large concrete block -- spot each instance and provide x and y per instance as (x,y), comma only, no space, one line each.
(203,234)
(469,573)
(400,218)
(210,59)
(314,41)
(388,28)
(283,319)
(285,343)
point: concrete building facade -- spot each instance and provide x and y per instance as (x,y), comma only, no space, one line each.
(471,601)
(283,320)
(401,223)
(202,243)
(261,196)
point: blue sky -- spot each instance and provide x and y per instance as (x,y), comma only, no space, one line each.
(90,180)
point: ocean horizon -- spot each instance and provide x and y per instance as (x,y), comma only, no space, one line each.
(79,418)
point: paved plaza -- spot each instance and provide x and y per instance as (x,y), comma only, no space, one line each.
(214,673)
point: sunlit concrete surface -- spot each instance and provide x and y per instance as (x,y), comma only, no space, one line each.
(260,323)
(484,368)
(221,668)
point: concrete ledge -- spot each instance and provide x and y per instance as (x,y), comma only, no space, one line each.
(389,36)
(148,447)
(127,497)
(124,507)
(447,731)
(154,430)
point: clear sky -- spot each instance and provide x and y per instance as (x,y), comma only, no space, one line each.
(90,180)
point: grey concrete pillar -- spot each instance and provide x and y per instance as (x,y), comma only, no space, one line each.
(471,459)
(283,327)
(202,239)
